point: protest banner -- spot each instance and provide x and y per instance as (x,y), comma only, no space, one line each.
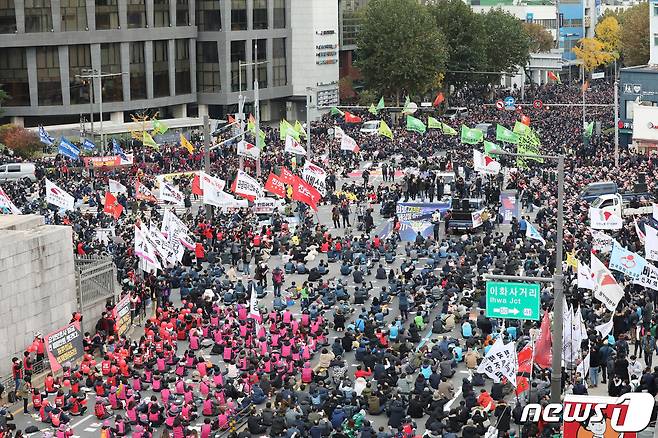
(315,176)
(64,345)
(264,205)
(122,315)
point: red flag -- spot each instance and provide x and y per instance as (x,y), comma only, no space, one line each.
(287,176)
(196,185)
(439,99)
(112,206)
(525,120)
(231,119)
(522,385)
(351,118)
(552,76)
(275,185)
(306,193)
(543,354)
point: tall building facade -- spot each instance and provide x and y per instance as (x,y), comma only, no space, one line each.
(180,57)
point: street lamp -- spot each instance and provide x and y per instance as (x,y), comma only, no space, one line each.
(255,64)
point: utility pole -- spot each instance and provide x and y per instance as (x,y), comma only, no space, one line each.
(255,64)
(206,157)
(309,99)
(616,85)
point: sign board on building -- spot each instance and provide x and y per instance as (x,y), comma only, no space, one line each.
(509,300)
(632,88)
(645,123)
(598,75)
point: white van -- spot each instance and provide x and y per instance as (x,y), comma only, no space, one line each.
(370,127)
(17,171)
(455,112)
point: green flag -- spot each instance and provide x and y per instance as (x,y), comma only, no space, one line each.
(504,134)
(529,144)
(372,109)
(380,104)
(414,124)
(260,141)
(589,128)
(336,112)
(385,130)
(448,130)
(471,136)
(286,129)
(407,103)
(159,127)
(488,147)
(520,128)
(251,126)
(147,140)
(432,123)
(299,128)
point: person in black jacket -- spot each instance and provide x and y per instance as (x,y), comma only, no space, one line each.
(416,407)
(255,422)
(503,415)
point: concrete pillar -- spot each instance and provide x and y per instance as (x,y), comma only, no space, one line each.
(123,15)
(265,110)
(192,14)
(148,64)
(125,68)
(171,49)
(225,64)
(31,55)
(17,120)
(55,6)
(269,56)
(64,79)
(95,51)
(116,117)
(179,111)
(90,7)
(203,110)
(249,55)
(149,13)
(193,85)
(172,13)
(19,7)
(250,14)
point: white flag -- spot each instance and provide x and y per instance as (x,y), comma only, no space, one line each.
(171,252)
(607,290)
(293,146)
(500,361)
(532,233)
(247,186)
(248,150)
(116,187)
(347,143)
(638,231)
(144,249)
(648,277)
(175,230)
(338,132)
(315,176)
(601,241)
(654,211)
(601,219)
(213,189)
(583,367)
(6,206)
(485,164)
(605,328)
(169,193)
(650,242)
(58,197)
(585,277)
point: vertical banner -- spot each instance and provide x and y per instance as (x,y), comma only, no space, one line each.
(122,315)
(64,345)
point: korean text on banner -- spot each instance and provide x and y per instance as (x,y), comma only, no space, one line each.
(58,197)
(315,176)
(122,315)
(64,345)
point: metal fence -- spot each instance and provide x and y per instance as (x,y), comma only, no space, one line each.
(37,368)
(95,280)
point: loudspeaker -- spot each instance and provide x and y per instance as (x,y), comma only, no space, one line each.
(456,203)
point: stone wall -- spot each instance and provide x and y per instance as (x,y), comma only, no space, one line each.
(37,282)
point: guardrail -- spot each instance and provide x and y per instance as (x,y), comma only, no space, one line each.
(236,422)
(37,368)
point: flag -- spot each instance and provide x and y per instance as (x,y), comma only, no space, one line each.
(651,242)
(351,118)
(407,109)
(58,197)
(601,241)
(471,136)
(626,262)
(525,120)
(44,137)
(251,124)
(169,193)
(555,77)
(299,128)
(448,130)
(524,359)
(605,328)
(116,187)
(585,277)
(186,144)
(246,149)
(116,149)
(384,130)
(415,125)
(230,119)
(275,185)
(159,127)
(347,143)
(293,146)
(588,129)
(601,219)
(520,128)
(88,144)
(638,231)
(287,176)
(147,140)
(439,100)
(485,164)
(489,148)
(286,129)
(196,185)
(380,105)
(432,123)
(112,206)
(144,249)
(532,233)
(500,361)
(654,211)
(606,288)
(68,149)
(336,112)
(6,206)
(372,109)
(529,145)
(544,344)
(305,192)
(213,191)
(506,135)
(585,86)
(572,260)
(143,193)
(246,186)
(583,367)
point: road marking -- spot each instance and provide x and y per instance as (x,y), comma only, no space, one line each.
(447,406)
(82,421)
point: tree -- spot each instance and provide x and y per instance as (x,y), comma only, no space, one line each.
(507,45)
(592,53)
(23,142)
(635,35)
(464,33)
(608,32)
(400,48)
(540,39)
(3,97)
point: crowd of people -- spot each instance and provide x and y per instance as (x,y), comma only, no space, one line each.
(343,349)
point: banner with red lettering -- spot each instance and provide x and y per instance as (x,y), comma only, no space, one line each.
(247,186)
(143,193)
(275,185)
(287,176)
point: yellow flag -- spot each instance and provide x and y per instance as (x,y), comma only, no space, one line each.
(572,260)
(147,140)
(186,144)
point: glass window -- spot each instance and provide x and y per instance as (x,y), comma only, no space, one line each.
(79,60)
(238,14)
(207,66)
(279,14)
(107,14)
(74,15)
(160,68)
(48,80)
(279,74)
(13,76)
(111,63)
(38,16)
(208,15)
(182,13)
(629,109)
(261,55)
(237,56)
(7,16)
(260,14)
(161,13)
(136,10)
(655,9)
(137,71)
(183,84)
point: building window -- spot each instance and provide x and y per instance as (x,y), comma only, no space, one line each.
(629,109)
(111,63)
(137,71)
(38,16)
(183,85)
(136,10)
(260,14)
(48,80)
(207,66)
(74,15)
(238,14)
(237,56)
(261,55)
(279,73)
(279,14)
(13,76)
(182,13)
(208,15)
(160,68)
(107,14)
(161,13)
(79,60)
(7,16)
(655,9)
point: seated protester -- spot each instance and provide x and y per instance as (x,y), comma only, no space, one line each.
(360,295)
(279,304)
(289,267)
(357,276)
(323,269)
(301,268)
(381,273)
(314,275)
(345,269)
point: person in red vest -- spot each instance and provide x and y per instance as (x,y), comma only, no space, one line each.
(199,253)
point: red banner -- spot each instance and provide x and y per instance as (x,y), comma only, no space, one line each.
(287,176)
(112,206)
(306,193)
(275,185)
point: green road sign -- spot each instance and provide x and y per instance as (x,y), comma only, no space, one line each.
(513,300)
